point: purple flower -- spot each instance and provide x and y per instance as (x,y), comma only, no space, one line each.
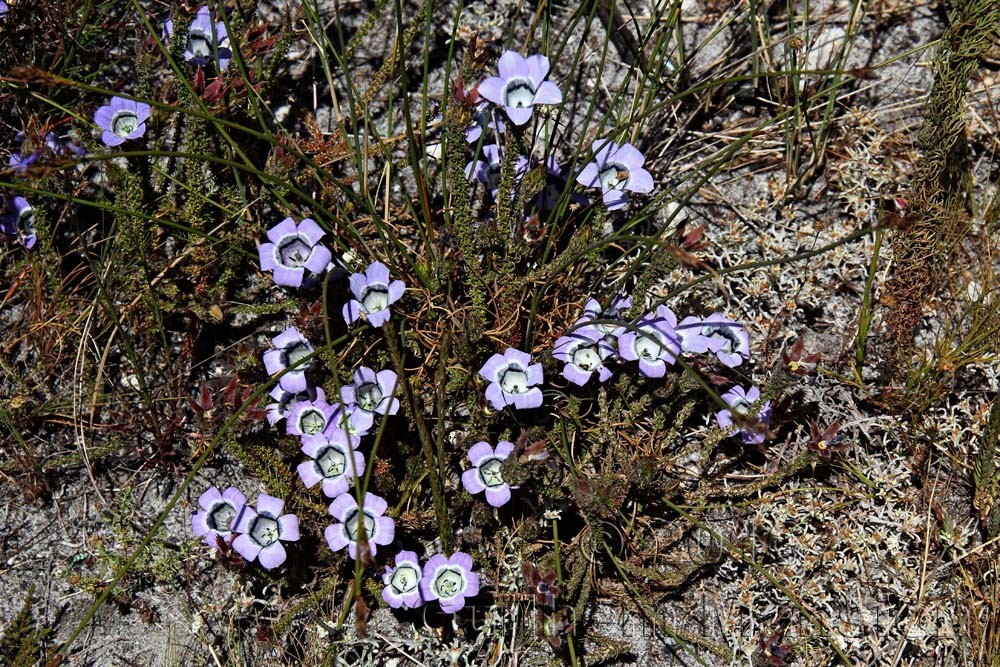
(520,86)
(293,248)
(19,220)
(555,184)
(205,40)
(614,170)
(283,400)
(485,474)
(653,343)
(379,529)
(122,119)
(217,515)
(402,583)
(449,581)
(352,420)
(730,342)
(371,391)
(374,292)
(262,531)
(512,379)
(741,401)
(333,461)
(309,417)
(290,348)
(482,117)
(487,171)
(692,340)
(584,351)
(3,9)
(615,311)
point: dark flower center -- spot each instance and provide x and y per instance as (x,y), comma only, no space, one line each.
(124,123)
(221,517)
(614,176)
(332,461)
(312,421)
(369,396)
(489,472)
(265,531)
(294,251)
(375,298)
(586,357)
(404,580)
(514,380)
(352,528)
(520,93)
(449,582)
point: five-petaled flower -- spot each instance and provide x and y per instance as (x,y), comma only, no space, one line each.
(122,119)
(332,460)
(449,581)
(584,351)
(512,379)
(218,514)
(730,342)
(402,582)
(485,475)
(309,417)
(378,529)
(262,530)
(741,401)
(374,291)
(290,348)
(371,391)
(206,40)
(615,170)
(653,343)
(520,86)
(293,248)
(19,220)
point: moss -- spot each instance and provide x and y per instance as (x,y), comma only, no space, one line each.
(23,641)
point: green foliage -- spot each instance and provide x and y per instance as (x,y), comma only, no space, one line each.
(23,641)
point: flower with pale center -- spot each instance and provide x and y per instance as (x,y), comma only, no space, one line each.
(371,391)
(513,379)
(615,170)
(402,582)
(19,220)
(374,291)
(332,461)
(741,402)
(449,581)
(309,417)
(122,119)
(653,343)
(217,515)
(283,401)
(263,529)
(728,340)
(290,349)
(520,86)
(486,474)
(292,249)
(584,351)
(206,41)
(378,529)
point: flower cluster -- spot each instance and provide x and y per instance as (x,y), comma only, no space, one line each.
(449,580)
(226,520)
